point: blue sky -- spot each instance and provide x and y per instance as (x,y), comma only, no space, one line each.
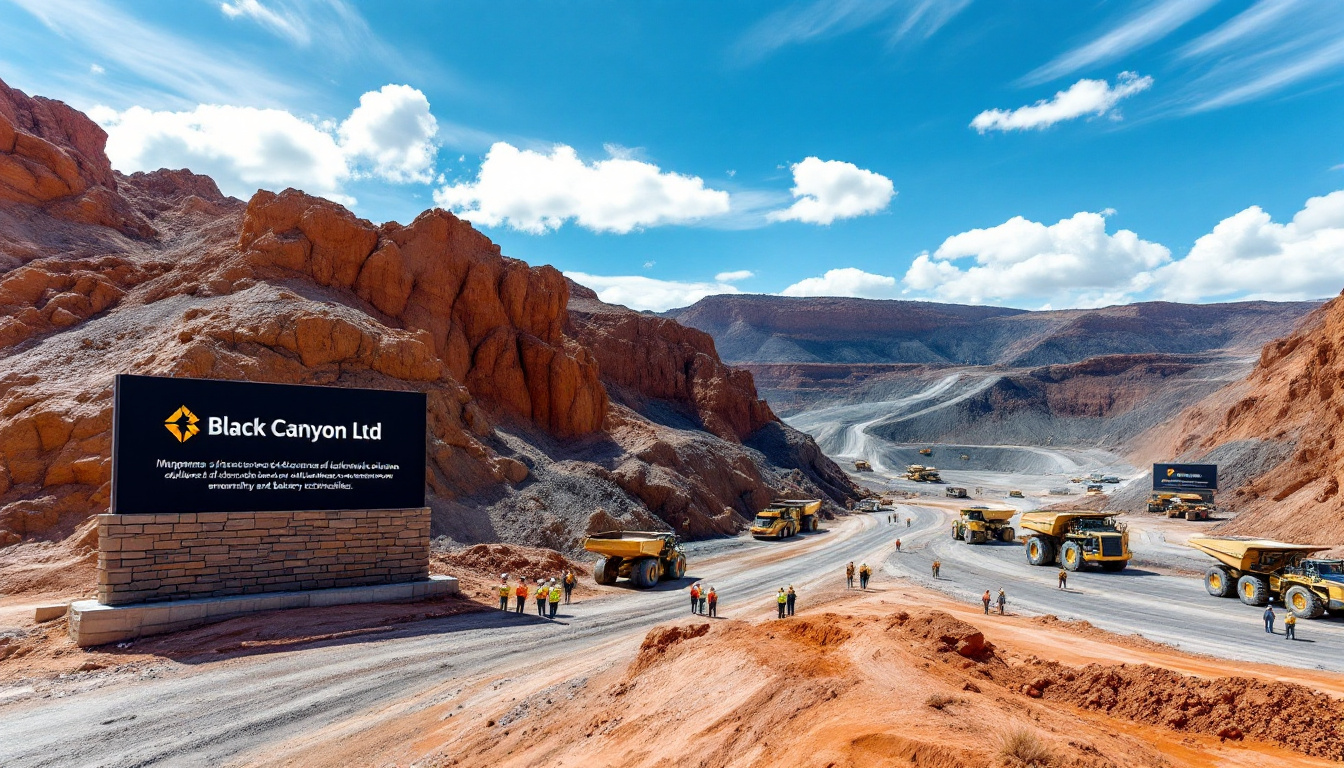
(1033,154)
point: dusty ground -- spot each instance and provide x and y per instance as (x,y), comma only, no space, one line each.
(628,677)
(33,655)
(895,676)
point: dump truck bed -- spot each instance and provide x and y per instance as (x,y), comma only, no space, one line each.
(1053,523)
(805,506)
(992,515)
(626,544)
(1243,553)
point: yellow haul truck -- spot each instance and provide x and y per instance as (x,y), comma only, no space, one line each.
(862,466)
(981,524)
(1191,506)
(783,519)
(1074,538)
(922,474)
(644,557)
(1258,570)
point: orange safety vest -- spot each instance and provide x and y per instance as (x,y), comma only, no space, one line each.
(541,592)
(569,578)
(713,597)
(695,593)
(522,590)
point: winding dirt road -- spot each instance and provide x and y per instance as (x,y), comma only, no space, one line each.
(246,710)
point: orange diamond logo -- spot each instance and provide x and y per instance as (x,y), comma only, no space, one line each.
(182,424)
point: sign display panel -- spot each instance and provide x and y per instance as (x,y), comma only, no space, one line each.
(199,445)
(1185,477)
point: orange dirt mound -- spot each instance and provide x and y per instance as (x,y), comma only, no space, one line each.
(944,633)
(822,632)
(491,560)
(1230,707)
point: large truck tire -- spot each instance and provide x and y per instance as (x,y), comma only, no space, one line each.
(1007,534)
(1304,603)
(1219,582)
(606,570)
(958,532)
(677,569)
(1252,590)
(1071,556)
(810,524)
(1039,551)
(645,572)
(1114,566)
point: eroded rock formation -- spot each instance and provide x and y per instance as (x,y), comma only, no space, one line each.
(546,419)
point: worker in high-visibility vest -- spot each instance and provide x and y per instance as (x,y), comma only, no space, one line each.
(781,599)
(504,592)
(521,593)
(542,593)
(557,592)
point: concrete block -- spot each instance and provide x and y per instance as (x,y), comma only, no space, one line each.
(48,612)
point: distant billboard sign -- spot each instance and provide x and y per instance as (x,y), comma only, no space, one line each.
(1185,477)
(198,445)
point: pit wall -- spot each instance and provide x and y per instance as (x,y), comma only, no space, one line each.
(150,558)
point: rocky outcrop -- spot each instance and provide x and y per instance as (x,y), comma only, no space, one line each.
(537,432)
(1289,409)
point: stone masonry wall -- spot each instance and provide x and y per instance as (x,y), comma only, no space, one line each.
(147,558)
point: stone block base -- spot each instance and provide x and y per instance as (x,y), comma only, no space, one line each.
(93,623)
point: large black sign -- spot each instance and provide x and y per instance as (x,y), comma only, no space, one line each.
(1185,477)
(195,445)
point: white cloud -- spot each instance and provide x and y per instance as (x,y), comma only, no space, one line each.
(245,148)
(1248,254)
(734,276)
(1073,262)
(393,129)
(196,72)
(847,281)
(280,22)
(1155,21)
(827,190)
(1085,97)
(639,292)
(536,192)
(96,69)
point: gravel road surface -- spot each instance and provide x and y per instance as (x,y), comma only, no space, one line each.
(231,712)
(1172,609)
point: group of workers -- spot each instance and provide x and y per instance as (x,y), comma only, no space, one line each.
(989,599)
(893,519)
(1289,623)
(548,593)
(704,601)
(785,600)
(865,573)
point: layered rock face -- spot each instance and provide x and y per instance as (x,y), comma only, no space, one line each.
(538,432)
(1278,430)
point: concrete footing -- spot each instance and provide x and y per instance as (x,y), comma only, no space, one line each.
(92,623)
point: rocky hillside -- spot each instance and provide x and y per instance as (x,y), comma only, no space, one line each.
(1274,436)
(774,329)
(546,419)
(915,372)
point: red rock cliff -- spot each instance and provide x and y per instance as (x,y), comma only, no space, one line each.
(160,274)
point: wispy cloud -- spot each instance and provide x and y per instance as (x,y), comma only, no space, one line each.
(1262,51)
(1155,21)
(282,21)
(822,19)
(1250,23)
(190,72)
(1085,97)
